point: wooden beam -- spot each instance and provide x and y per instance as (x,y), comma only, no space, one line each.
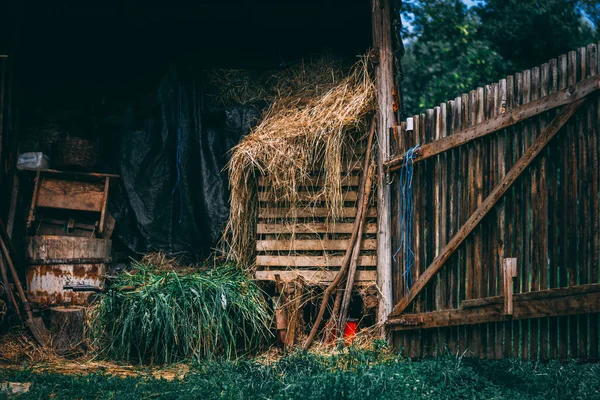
(536,147)
(545,303)
(563,97)
(384,86)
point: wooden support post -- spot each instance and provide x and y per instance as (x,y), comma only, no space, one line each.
(510,273)
(384,71)
(542,140)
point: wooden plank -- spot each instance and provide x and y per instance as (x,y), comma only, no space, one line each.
(82,175)
(554,217)
(309,212)
(575,92)
(471,283)
(451,182)
(584,202)
(572,208)
(463,217)
(507,103)
(70,195)
(429,242)
(526,210)
(319,276)
(548,303)
(478,277)
(563,278)
(518,193)
(313,245)
(594,123)
(3,71)
(497,244)
(312,227)
(534,210)
(311,261)
(489,202)
(305,196)
(542,217)
(310,181)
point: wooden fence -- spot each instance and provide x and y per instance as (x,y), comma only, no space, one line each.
(469,216)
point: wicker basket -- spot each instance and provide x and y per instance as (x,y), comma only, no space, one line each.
(74,153)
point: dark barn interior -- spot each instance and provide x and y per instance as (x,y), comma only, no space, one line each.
(132,77)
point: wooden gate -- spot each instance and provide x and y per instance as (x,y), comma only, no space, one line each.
(505,182)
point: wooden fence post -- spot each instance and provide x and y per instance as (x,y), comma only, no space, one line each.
(382,41)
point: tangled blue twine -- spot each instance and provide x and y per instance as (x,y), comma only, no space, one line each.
(177,186)
(405,213)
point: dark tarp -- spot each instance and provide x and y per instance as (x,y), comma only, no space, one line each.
(173,193)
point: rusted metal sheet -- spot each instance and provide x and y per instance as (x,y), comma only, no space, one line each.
(45,283)
(56,261)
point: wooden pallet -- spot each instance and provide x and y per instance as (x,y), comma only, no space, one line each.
(305,241)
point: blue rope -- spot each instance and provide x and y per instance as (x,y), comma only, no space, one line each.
(178,157)
(405,213)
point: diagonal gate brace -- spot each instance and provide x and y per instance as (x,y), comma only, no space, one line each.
(542,140)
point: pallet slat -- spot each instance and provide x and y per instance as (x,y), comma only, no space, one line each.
(312,227)
(346,212)
(312,245)
(319,276)
(311,261)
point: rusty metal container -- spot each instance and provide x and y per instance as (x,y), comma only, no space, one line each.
(55,261)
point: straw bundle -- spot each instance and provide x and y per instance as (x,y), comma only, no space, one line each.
(312,124)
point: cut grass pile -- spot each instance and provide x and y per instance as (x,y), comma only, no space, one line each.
(353,374)
(154,314)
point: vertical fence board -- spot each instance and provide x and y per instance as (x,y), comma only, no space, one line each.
(593,122)
(572,215)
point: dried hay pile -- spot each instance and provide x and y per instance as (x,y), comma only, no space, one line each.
(317,115)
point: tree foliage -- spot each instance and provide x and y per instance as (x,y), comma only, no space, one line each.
(452,48)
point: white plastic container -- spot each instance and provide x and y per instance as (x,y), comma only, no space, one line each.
(32,161)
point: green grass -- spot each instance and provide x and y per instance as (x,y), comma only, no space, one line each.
(354,374)
(153,315)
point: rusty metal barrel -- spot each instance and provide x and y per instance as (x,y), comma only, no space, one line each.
(56,261)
